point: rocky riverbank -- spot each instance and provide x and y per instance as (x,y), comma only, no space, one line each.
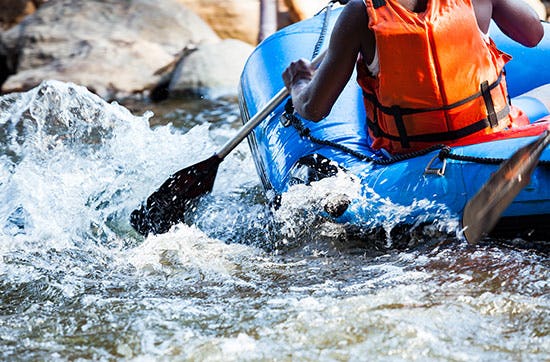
(131,49)
(144,49)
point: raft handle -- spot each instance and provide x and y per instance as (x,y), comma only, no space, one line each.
(429,170)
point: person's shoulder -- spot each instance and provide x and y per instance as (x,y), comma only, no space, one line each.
(355,10)
(356,5)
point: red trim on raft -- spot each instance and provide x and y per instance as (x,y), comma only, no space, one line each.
(531,129)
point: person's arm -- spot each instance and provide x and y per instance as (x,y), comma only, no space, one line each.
(517,20)
(315,92)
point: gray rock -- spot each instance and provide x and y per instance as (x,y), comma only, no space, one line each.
(213,70)
(115,48)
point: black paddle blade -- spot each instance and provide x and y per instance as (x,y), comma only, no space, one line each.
(165,207)
(484,209)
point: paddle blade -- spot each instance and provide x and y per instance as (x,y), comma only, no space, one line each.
(165,207)
(483,211)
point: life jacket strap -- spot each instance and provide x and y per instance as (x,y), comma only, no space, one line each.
(439,136)
(489,105)
(406,111)
(378,3)
(400,124)
(398,112)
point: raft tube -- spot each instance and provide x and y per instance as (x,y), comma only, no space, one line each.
(283,155)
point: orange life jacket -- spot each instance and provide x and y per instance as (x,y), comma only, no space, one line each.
(440,81)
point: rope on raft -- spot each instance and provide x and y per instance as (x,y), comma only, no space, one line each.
(444,153)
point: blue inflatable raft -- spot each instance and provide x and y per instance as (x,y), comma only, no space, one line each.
(289,152)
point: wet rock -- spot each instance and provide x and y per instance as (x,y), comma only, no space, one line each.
(115,48)
(213,70)
(336,204)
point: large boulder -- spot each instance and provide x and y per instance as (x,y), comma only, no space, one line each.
(13,11)
(213,70)
(240,19)
(304,9)
(115,48)
(236,19)
(539,7)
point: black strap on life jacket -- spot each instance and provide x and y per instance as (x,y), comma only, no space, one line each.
(439,136)
(405,139)
(489,105)
(378,3)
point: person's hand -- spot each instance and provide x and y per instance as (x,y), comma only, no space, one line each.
(300,70)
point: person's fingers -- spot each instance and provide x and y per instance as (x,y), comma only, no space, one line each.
(297,70)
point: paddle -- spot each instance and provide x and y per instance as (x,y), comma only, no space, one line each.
(165,207)
(484,209)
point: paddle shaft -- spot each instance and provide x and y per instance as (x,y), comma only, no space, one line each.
(252,123)
(165,207)
(261,115)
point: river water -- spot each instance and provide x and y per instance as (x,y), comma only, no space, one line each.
(239,281)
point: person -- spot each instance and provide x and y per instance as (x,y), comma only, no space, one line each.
(429,72)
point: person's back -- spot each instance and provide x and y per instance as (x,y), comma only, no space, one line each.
(439,78)
(428,72)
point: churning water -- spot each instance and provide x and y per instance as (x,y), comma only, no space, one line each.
(239,281)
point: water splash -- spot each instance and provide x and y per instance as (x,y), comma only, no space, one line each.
(75,165)
(301,219)
(60,143)
(77,283)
